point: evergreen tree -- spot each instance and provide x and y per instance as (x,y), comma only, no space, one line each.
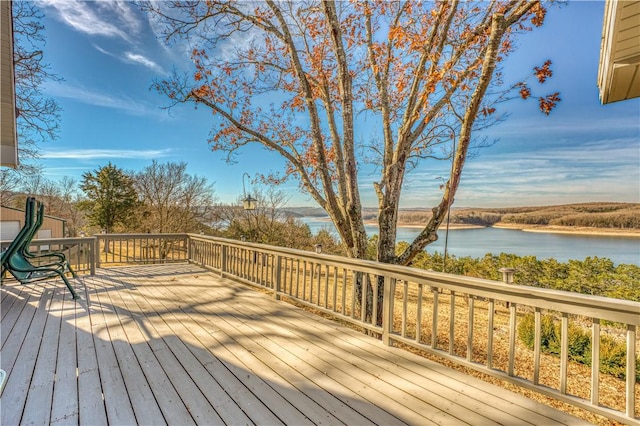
(111,197)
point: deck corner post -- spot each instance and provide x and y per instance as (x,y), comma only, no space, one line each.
(387,310)
(188,239)
(96,251)
(277,278)
(93,247)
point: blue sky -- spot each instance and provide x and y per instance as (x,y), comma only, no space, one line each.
(108,54)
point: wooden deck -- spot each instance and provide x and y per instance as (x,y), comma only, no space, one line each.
(176,344)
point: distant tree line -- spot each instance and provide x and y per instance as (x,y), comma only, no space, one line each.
(595,215)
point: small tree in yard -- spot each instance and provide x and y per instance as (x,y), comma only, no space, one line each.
(111,197)
(421,72)
(174,200)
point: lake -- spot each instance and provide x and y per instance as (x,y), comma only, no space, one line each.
(478,242)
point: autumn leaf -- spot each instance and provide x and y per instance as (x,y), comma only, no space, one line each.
(539,13)
(547,103)
(525,92)
(543,72)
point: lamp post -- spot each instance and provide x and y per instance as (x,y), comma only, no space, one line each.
(249,203)
(446,235)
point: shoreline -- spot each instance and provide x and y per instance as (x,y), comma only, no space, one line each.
(551,229)
(557,229)
(452,226)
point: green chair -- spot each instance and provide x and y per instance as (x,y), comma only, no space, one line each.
(14,261)
(54,257)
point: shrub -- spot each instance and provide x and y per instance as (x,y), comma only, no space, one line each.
(579,345)
(612,353)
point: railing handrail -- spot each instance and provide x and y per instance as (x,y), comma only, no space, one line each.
(143,235)
(606,308)
(610,309)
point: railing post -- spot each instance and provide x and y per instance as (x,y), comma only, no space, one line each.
(189,248)
(96,250)
(387,309)
(277,277)
(507,274)
(507,278)
(92,256)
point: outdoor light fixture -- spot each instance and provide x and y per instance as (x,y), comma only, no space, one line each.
(453,153)
(318,248)
(249,203)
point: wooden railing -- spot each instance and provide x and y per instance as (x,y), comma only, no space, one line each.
(140,249)
(472,322)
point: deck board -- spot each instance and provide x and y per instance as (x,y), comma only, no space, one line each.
(176,344)
(64,408)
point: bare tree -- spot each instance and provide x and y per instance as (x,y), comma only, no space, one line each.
(174,201)
(271,223)
(419,71)
(38,116)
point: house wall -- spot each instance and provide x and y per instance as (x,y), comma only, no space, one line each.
(619,70)
(8,136)
(55,225)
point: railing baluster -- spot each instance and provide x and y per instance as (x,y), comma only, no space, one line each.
(419,313)
(277,277)
(319,284)
(595,361)
(297,277)
(490,317)
(353,293)
(344,291)
(512,337)
(434,323)
(564,351)
(452,320)
(471,300)
(326,286)
(536,346)
(312,277)
(631,370)
(374,309)
(405,305)
(364,285)
(304,282)
(285,270)
(387,309)
(335,288)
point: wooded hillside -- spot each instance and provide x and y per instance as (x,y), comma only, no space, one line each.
(595,215)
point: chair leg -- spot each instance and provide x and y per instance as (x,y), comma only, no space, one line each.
(68,284)
(73,273)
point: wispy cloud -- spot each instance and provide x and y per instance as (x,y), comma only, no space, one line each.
(92,97)
(100,18)
(93,154)
(133,58)
(137,58)
(598,170)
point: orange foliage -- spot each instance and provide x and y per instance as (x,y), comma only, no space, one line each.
(543,72)
(547,103)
